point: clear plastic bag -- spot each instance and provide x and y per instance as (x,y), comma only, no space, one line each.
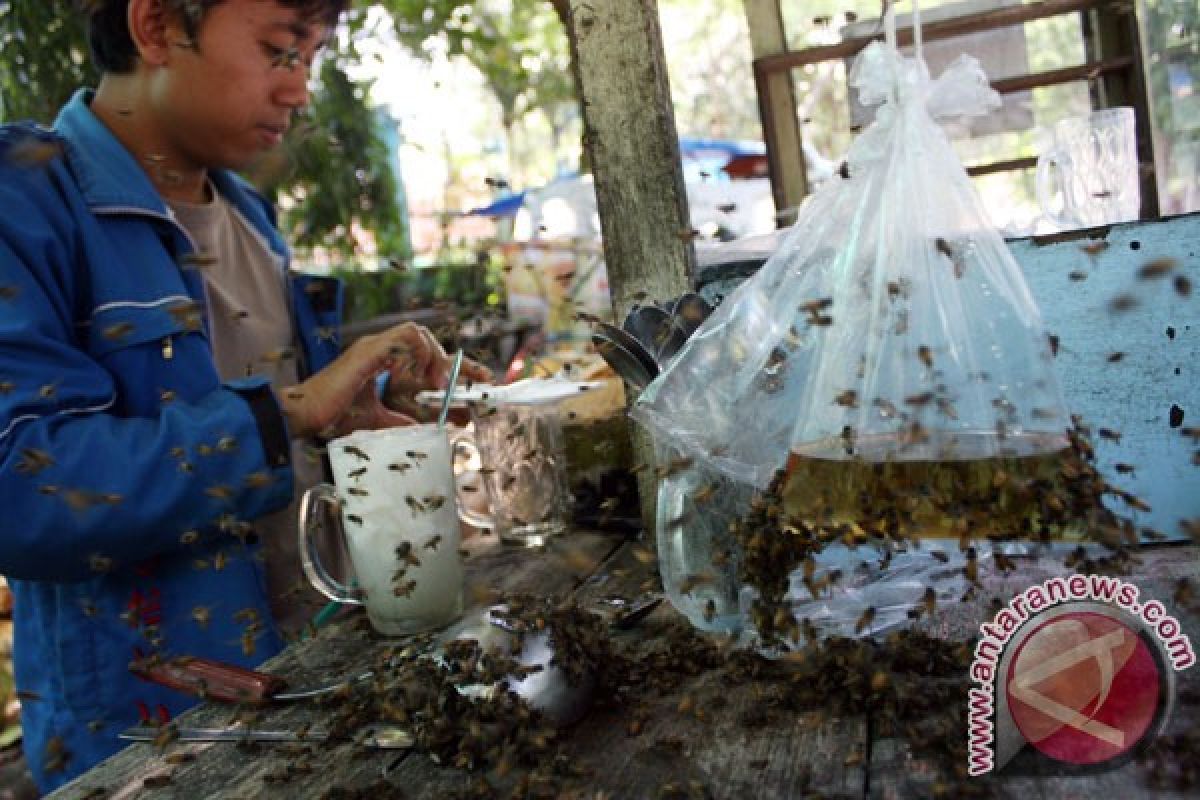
(891,325)
(889,359)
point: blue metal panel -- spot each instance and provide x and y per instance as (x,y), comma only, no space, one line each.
(1160,337)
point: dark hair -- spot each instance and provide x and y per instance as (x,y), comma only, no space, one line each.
(112,47)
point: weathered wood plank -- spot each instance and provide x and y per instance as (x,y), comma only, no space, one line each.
(777,109)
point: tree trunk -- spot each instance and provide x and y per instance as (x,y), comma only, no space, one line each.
(631,143)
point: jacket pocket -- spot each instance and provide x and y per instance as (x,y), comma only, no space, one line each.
(124,324)
(157,352)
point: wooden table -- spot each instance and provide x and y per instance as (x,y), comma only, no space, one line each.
(690,741)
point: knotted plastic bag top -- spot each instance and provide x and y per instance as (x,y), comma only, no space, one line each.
(892,324)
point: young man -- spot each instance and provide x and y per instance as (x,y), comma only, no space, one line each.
(159,364)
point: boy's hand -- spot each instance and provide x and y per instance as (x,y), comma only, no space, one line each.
(342,397)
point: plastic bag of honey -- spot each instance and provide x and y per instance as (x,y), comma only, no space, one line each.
(885,376)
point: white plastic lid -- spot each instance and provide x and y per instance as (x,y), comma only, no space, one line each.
(531,391)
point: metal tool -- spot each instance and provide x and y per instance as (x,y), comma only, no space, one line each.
(382,737)
(216,680)
(689,312)
(632,613)
(624,363)
(627,341)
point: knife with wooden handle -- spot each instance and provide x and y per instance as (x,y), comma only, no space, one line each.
(216,680)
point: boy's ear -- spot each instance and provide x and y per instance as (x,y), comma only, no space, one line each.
(150,30)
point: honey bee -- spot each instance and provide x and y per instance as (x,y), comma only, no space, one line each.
(886,409)
(673,467)
(1156,268)
(433,542)
(925,354)
(219,491)
(278,355)
(1122,302)
(354,490)
(357,452)
(1094,249)
(946,408)
(865,620)
(1053,340)
(847,398)
(415,455)
(813,307)
(929,601)
(117,332)
(919,400)
(356,473)
(1183,285)
(30,152)
(1077,275)
(971,570)
(643,555)
(198,260)
(259,480)
(357,520)
(55,756)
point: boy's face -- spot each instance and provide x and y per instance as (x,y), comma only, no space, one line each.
(226,100)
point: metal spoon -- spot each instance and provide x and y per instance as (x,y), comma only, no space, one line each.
(625,363)
(631,344)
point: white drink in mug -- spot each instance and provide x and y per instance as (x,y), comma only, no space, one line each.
(395,494)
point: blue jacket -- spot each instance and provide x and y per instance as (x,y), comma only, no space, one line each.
(128,471)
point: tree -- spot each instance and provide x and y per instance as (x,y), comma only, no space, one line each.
(45,58)
(518,46)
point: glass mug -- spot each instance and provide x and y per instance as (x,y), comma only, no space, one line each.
(1092,162)
(395,494)
(520,447)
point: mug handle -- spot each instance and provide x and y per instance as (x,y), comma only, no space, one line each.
(314,570)
(1047,166)
(462,439)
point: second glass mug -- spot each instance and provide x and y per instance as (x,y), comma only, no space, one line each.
(520,447)
(1092,162)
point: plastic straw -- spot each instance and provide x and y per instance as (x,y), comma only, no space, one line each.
(458,358)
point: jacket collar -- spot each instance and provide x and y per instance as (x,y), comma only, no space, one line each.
(110,178)
(107,174)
